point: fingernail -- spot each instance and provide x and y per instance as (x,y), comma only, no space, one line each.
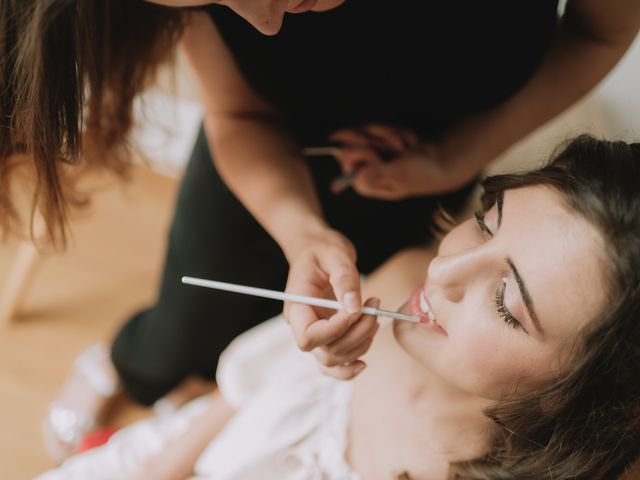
(350,302)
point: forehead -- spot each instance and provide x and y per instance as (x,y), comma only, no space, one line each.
(559,255)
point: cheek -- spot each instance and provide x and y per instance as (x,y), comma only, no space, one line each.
(494,363)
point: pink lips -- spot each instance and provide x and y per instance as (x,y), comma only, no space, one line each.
(303,6)
(425,321)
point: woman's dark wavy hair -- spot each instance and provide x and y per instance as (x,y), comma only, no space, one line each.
(586,425)
(69,71)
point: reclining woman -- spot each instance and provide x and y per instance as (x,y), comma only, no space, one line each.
(525,364)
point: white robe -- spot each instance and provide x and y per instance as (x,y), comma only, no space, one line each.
(291,421)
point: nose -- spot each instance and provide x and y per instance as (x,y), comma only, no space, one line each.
(453,274)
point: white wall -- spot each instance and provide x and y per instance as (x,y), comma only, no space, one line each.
(620,93)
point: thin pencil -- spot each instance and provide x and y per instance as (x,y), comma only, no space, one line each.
(277,295)
(339,184)
(316,151)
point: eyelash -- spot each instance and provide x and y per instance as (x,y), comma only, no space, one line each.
(503,311)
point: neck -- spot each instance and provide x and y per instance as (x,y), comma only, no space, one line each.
(452,421)
(444,419)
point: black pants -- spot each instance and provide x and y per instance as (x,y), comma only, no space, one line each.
(213,236)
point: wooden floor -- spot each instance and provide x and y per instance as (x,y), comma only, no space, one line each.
(110,269)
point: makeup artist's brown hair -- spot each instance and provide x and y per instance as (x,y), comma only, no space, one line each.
(586,425)
(70,70)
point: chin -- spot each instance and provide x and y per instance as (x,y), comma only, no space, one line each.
(269,26)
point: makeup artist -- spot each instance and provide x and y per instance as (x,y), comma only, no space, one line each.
(421,96)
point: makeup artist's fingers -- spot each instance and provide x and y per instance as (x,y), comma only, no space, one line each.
(310,332)
(353,344)
(377,136)
(352,158)
(391,138)
(329,360)
(361,331)
(416,172)
(293,312)
(307,278)
(344,279)
(349,136)
(327,268)
(344,372)
(355,149)
(371,182)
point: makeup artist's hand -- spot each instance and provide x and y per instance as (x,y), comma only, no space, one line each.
(325,267)
(410,168)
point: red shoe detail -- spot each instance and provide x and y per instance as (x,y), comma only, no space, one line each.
(95,438)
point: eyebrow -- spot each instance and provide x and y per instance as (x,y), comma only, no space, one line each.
(499,202)
(525,296)
(524,293)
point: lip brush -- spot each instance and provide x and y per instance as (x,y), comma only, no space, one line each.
(277,295)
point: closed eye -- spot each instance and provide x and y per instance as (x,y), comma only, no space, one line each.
(503,311)
(524,294)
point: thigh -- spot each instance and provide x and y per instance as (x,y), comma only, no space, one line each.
(212,236)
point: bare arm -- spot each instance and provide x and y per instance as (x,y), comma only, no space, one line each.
(264,168)
(257,159)
(178,457)
(590,40)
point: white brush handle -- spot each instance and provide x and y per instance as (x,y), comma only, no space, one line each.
(288,297)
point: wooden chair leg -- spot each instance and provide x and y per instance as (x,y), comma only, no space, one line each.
(17,280)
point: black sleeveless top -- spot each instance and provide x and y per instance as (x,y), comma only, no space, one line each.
(415,63)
